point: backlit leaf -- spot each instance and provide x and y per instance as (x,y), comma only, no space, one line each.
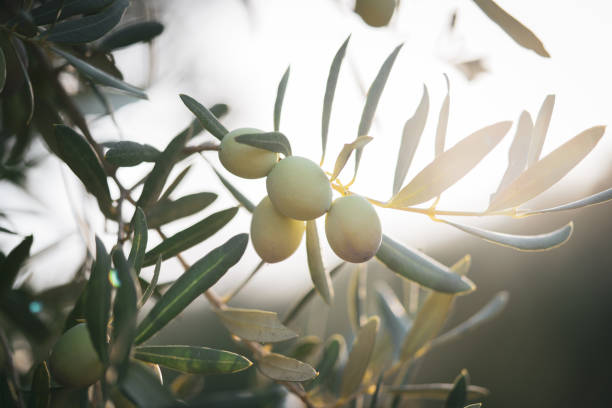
(540,129)
(127,154)
(40,396)
(170,210)
(318,274)
(144,389)
(413,129)
(329,360)
(540,242)
(241,198)
(356,296)
(139,241)
(206,117)
(49,11)
(443,121)
(130,34)
(12,263)
(271,141)
(346,152)
(597,198)
(416,266)
(255,325)
(152,285)
(457,397)
(305,347)
(191,236)
(359,357)
(517,31)
(190,359)
(393,313)
(282,368)
(374,93)
(451,165)
(191,284)
(548,171)
(436,391)
(330,90)
(280,96)
(98,301)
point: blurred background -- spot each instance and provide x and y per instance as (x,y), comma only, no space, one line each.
(550,347)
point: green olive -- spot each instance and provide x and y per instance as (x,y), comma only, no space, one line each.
(376,13)
(274,236)
(74,361)
(243,160)
(353,229)
(299,188)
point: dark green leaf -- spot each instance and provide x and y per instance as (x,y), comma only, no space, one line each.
(374,93)
(167,210)
(320,277)
(131,34)
(99,76)
(517,31)
(191,284)
(191,236)
(2,229)
(305,347)
(436,391)
(418,267)
(189,359)
(272,141)
(219,110)
(206,117)
(139,241)
(16,43)
(597,198)
(359,357)
(241,198)
(74,150)
(540,242)
(280,96)
(175,183)
(330,90)
(331,354)
(2,70)
(144,389)
(98,301)
(152,285)
(282,368)
(88,28)
(55,10)
(255,325)
(443,120)
(127,154)
(457,397)
(13,262)
(40,396)
(540,129)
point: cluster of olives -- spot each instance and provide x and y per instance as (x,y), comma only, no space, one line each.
(299,191)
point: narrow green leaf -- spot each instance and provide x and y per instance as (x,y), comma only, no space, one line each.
(272,141)
(457,397)
(517,31)
(436,391)
(98,301)
(152,285)
(487,313)
(143,388)
(2,70)
(88,28)
(7,231)
(318,274)
(540,242)
(346,152)
(304,300)
(175,183)
(155,181)
(431,317)
(241,198)
(189,359)
(443,121)
(517,155)
(548,171)
(168,210)
(540,129)
(374,93)
(281,368)
(356,296)
(130,34)
(255,325)
(329,360)
(74,150)
(127,154)
(13,262)
(359,357)
(597,198)
(280,96)
(393,313)
(26,76)
(413,129)
(450,166)
(98,76)
(330,90)
(206,118)
(416,266)
(56,10)
(305,347)
(191,236)
(195,281)
(40,396)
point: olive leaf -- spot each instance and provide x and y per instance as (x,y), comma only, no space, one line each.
(597,198)
(280,96)
(175,183)
(11,265)
(359,357)
(436,391)
(272,141)
(457,397)
(206,117)
(330,90)
(2,70)
(98,301)
(255,325)
(127,154)
(305,347)
(517,31)
(40,396)
(393,313)
(139,241)
(56,10)
(548,171)
(282,368)
(540,129)
(16,43)
(346,152)
(152,285)
(143,388)
(130,34)
(356,296)
(241,198)
(413,129)
(443,121)
(332,352)
(167,210)
(318,274)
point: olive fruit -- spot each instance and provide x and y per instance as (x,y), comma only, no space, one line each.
(299,188)
(274,236)
(74,361)
(243,160)
(375,13)
(353,229)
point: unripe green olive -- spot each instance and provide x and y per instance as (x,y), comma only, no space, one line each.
(74,361)
(243,160)
(376,13)
(353,229)
(299,188)
(274,236)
